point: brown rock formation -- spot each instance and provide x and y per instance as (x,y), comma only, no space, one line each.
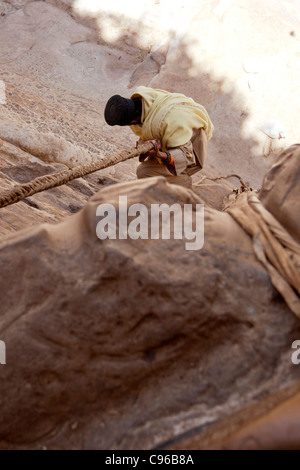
(135,343)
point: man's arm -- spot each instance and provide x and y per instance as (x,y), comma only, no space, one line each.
(183,157)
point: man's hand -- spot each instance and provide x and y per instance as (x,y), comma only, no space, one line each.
(156,151)
(157,145)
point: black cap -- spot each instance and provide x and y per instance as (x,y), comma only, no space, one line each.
(119,111)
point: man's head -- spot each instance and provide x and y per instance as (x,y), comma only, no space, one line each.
(121,111)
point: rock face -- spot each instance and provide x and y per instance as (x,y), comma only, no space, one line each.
(135,343)
(280,191)
(66,58)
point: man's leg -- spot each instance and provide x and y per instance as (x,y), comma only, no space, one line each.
(152,167)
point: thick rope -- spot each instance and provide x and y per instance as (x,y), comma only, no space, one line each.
(42,183)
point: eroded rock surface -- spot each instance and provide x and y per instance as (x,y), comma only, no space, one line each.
(132,343)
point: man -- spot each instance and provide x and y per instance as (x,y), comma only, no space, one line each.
(178,127)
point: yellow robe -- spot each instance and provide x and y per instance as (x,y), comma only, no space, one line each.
(170,117)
